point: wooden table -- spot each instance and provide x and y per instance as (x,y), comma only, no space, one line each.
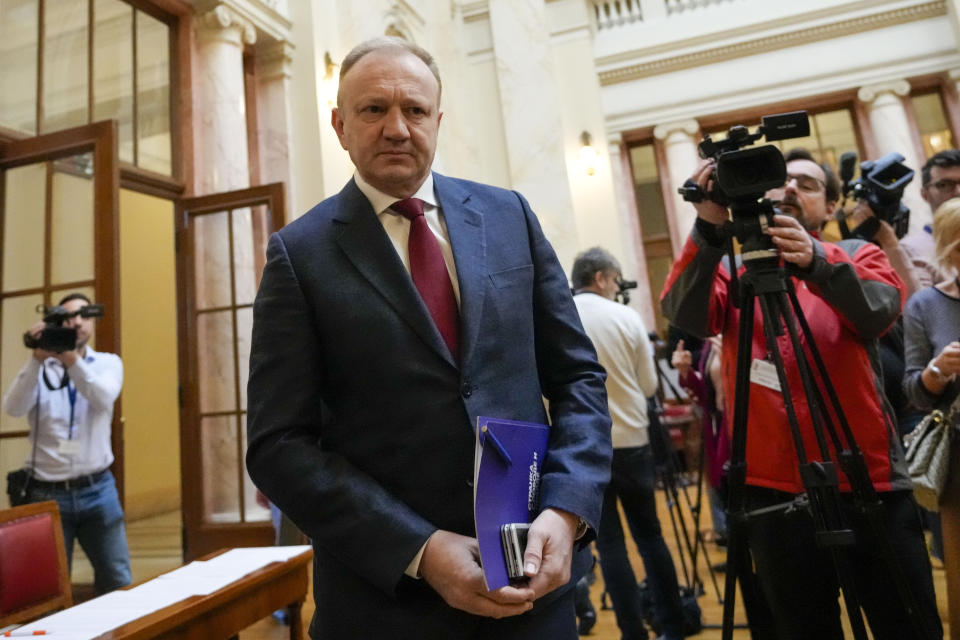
(224,613)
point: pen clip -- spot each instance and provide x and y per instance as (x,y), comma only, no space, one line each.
(497,445)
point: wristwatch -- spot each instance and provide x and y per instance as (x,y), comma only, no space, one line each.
(940,375)
(581,529)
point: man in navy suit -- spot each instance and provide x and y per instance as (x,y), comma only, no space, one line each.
(363,396)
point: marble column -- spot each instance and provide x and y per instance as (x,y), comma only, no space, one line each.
(222,165)
(680,145)
(634,263)
(892,132)
(221,135)
(274,117)
(954,75)
(533,126)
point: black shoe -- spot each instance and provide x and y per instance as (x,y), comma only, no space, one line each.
(587,620)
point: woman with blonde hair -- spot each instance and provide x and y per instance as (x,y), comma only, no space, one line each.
(931,324)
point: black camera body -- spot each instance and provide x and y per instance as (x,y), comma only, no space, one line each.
(55,337)
(743,176)
(881,185)
(623,289)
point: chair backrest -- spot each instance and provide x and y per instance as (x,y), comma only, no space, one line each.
(34,578)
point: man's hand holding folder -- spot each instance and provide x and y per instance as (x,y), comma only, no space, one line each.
(451,565)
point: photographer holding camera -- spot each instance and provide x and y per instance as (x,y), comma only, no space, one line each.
(624,350)
(850,295)
(68,395)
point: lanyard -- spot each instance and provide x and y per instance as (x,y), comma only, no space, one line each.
(72,394)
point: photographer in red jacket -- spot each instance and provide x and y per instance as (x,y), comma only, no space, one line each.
(850,295)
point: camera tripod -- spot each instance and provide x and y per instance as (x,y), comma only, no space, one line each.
(677,492)
(766,282)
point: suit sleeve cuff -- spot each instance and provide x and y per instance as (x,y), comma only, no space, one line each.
(413,569)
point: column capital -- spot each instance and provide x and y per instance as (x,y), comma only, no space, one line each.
(663,131)
(614,139)
(275,59)
(870,92)
(220,22)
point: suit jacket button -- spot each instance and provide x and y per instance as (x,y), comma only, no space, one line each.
(466,389)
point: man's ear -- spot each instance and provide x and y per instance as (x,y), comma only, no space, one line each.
(923,194)
(831,207)
(598,279)
(337,123)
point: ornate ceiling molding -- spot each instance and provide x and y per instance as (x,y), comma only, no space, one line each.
(688,126)
(934,9)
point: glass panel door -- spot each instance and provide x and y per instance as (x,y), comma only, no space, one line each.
(58,231)
(223,239)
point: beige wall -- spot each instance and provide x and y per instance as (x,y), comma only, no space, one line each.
(149,343)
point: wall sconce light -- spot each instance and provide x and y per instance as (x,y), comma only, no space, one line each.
(588,155)
(330,80)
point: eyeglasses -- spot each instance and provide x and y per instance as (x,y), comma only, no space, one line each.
(945,184)
(807,184)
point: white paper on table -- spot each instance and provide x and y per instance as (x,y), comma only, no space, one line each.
(95,617)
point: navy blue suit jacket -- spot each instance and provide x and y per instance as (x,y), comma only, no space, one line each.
(361,425)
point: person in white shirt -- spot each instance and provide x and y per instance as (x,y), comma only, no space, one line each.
(68,398)
(624,350)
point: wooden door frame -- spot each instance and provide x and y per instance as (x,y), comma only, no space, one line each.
(201,537)
(100,138)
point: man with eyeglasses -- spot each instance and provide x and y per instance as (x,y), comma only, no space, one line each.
(940,182)
(850,295)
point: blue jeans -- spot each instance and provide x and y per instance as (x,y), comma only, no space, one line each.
(93,516)
(632,482)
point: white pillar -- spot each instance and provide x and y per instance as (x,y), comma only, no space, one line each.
(274,117)
(892,132)
(221,135)
(634,261)
(954,75)
(533,126)
(680,146)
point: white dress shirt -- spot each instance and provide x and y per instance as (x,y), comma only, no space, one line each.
(65,450)
(624,350)
(398,227)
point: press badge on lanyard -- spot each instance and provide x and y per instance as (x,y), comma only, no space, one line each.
(764,373)
(68,446)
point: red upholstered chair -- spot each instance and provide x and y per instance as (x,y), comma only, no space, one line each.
(34,578)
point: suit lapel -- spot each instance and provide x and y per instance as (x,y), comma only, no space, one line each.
(368,247)
(468,240)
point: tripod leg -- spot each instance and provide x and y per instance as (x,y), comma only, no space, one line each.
(819,478)
(852,461)
(737,475)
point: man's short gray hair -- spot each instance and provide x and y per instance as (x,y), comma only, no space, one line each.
(588,263)
(387,43)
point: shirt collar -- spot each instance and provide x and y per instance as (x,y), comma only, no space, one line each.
(381,201)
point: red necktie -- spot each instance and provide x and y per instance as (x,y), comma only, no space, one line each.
(429,273)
